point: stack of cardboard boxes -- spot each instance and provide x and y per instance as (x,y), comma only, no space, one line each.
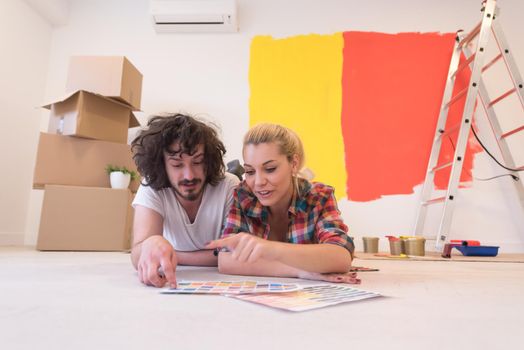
(87,131)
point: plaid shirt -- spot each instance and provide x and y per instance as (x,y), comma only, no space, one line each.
(313,216)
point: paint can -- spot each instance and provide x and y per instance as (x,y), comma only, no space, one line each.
(414,245)
(370,244)
(395,246)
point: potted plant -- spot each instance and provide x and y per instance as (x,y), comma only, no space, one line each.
(120,177)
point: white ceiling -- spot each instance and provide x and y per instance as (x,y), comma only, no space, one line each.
(56,12)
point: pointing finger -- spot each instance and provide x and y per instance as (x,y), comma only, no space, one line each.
(217,243)
(229,242)
(169,272)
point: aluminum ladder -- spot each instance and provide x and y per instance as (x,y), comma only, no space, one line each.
(474,61)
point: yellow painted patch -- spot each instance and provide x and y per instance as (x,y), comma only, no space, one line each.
(296,82)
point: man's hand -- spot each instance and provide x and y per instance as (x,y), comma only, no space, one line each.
(245,247)
(157,262)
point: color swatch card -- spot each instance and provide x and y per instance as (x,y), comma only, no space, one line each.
(309,298)
(230,287)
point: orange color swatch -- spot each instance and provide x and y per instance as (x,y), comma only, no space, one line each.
(392,87)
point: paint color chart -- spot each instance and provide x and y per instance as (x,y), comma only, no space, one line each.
(230,287)
(309,298)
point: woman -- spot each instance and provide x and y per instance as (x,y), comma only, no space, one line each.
(280,224)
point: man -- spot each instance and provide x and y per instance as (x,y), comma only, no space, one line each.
(183,200)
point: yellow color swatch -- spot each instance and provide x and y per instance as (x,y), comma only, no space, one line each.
(297,82)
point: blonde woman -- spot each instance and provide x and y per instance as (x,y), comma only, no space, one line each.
(280,224)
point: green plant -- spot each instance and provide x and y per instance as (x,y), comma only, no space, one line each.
(111,168)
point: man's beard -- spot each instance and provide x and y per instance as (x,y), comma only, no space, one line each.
(192,196)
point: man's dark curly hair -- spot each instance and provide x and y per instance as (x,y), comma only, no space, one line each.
(149,146)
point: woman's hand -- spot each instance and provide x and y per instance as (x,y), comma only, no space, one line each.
(348,277)
(245,247)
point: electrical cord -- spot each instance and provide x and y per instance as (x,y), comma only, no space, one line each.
(513,176)
(491,155)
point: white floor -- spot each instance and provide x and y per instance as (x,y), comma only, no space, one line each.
(53,300)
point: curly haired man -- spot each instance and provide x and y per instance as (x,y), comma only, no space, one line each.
(184,197)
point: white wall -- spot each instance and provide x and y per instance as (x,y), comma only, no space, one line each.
(25,42)
(207,74)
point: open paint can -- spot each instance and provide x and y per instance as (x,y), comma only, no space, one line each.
(413,245)
(395,247)
(370,244)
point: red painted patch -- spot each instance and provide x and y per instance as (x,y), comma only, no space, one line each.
(392,87)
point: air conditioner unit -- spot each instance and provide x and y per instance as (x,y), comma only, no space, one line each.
(190,16)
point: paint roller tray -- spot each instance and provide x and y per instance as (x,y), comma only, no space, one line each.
(478,250)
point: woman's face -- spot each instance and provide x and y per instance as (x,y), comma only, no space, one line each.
(269,174)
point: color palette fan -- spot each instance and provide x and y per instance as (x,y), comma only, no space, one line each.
(310,297)
(230,287)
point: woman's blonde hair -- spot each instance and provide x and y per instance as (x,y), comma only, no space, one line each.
(287,140)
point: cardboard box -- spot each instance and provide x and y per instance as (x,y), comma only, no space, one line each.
(65,160)
(111,76)
(88,115)
(85,218)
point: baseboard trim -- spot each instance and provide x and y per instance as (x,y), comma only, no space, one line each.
(11,239)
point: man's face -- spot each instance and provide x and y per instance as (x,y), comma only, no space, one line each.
(186,172)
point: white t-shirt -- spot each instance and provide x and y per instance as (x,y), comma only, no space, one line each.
(178,230)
